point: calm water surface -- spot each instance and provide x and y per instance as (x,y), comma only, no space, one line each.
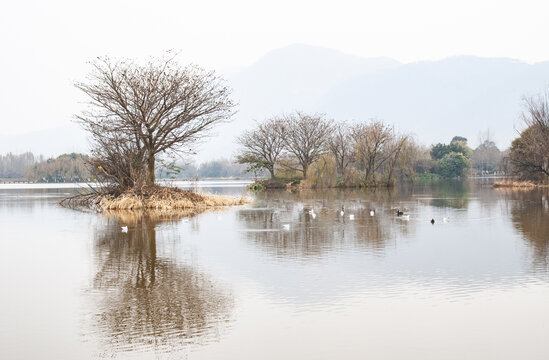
(287,277)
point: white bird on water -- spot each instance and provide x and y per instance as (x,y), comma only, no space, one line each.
(351,217)
(445,219)
(312,213)
(405,217)
(124,229)
(286,226)
(372,212)
(342,212)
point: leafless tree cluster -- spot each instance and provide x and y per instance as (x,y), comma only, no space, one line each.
(262,146)
(306,138)
(377,148)
(15,166)
(297,139)
(300,140)
(139,112)
(340,144)
(530,152)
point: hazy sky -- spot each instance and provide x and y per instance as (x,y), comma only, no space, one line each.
(45,44)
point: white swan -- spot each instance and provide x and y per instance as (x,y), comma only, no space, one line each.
(372,212)
(351,217)
(286,226)
(124,229)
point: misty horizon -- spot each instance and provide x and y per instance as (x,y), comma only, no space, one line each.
(351,88)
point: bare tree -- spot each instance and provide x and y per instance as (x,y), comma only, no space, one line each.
(159,106)
(117,162)
(262,146)
(374,145)
(340,144)
(396,148)
(530,152)
(306,137)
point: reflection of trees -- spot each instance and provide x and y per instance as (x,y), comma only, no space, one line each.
(311,235)
(146,300)
(530,215)
(453,194)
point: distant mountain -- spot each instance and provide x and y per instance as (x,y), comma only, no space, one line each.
(287,79)
(437,100)
(434,100)
(297,76)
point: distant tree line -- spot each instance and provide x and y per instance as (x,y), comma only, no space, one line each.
(64,168)
(14,166)
(220,168)
(76,168)
(328,153)
(29,167)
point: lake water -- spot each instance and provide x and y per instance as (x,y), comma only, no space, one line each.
(310,275)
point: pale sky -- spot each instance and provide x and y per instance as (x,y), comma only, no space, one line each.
(45,44)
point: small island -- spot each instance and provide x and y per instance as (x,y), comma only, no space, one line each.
(141,113)
(165,198)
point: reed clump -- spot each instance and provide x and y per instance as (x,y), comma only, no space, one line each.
(515,184)
(165,199)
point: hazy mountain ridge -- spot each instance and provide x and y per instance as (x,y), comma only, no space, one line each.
(297,75)
(434,100)
(437,100)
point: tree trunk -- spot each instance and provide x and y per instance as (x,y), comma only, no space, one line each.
(305,172)
(150,177)
(272,172)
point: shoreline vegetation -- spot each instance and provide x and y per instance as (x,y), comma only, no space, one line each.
(519,185)
(307,151)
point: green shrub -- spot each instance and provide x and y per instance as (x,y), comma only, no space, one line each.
(453,165)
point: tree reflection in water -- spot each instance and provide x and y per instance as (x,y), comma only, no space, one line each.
(530,215)
(146,301)
(450,194)
(309,224)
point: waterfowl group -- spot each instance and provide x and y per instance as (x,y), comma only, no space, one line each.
(372,212)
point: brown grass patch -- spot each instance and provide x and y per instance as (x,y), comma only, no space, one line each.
(526,185)
(166,199)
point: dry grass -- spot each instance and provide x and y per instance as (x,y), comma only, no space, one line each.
(519,185)
(166,199)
